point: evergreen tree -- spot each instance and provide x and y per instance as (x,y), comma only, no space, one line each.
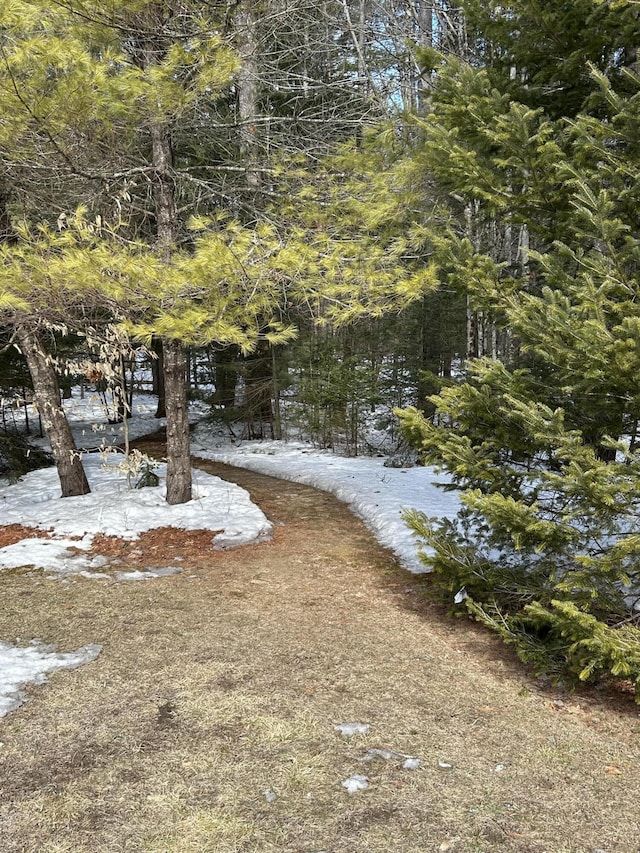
(542,442)
(143,113)
(87,85)
(539,51)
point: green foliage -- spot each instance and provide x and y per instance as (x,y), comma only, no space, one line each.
(563,640)
(334,384)
(226,289)
(538,51)
(62,67)
(543,444)
(354,235)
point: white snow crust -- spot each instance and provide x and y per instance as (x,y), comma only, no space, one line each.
(375,493)
(21,665)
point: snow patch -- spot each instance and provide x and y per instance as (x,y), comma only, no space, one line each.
(375,493)
(148,574)
(350,729)
(355,783)
(114,510)
(21,665)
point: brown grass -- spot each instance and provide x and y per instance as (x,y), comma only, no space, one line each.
(226,681)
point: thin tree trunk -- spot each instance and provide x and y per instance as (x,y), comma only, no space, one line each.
(25,406)
(163,189)
(226,375)
(157,377)
(277,413)
(73,480)
(247,88)
(179,485)
(178,456)
(258,390)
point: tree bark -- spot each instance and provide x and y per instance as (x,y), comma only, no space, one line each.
(157,377)
(247,88)
(174,362)
(164,198)
(163,189)
(46,391)
(178,473)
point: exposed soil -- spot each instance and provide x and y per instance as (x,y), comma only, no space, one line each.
(226,681)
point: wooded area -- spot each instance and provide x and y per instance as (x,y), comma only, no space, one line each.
(316,214)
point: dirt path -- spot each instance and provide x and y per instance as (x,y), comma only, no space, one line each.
(226,681)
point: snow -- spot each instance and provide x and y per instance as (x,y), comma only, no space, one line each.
(377,494)
(409,762)
(148,574)
(88,420)
(355,783)
(350,729)
(20,665)
(115,510)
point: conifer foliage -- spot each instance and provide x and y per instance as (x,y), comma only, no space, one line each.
(543,441)
(138,153)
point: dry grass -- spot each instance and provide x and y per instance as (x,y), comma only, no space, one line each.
(226,681)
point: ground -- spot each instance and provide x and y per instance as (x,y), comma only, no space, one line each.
(222,686)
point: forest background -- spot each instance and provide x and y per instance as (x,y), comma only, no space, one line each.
(340,212)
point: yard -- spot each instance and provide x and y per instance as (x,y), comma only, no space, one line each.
(208,722)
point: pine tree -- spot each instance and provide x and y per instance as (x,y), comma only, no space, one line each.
(542,442)
(34,304)
(144,114)
(106,92)
(539,51)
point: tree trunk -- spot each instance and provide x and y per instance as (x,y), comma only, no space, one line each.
(163,189)
(178,457)
(258,390)
(166,215)
(157,377)
(247,88)
(226,372)
(174,367)
(46,391)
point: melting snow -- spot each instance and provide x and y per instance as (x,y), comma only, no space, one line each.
(20,665)
(409,763)
(349,729)
(115,510)
(148,574)
(355,783)
(375,493)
